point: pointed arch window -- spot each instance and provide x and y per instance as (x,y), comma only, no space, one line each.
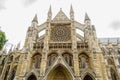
(51,58)
(68,58)
(13,73)
(36,61)
(6,73)
(83,62)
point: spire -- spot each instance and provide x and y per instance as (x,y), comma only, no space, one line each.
(35,19)
(86,17)
(49,14)
(50,9)
(71,13)
(71,9)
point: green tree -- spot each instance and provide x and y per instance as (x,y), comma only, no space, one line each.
(2,39)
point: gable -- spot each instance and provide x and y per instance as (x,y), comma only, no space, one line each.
(61,16)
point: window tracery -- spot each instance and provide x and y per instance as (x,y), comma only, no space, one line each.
(68,58)
(83,61)
(36,60)
(51,58)
(60,33)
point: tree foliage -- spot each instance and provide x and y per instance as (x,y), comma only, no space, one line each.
(2,39)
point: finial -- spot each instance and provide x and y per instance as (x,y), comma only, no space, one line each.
(60,9)
(35,19)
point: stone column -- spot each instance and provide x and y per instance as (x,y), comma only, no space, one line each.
(97,66)
(76,64)
(117,65)
(43,64)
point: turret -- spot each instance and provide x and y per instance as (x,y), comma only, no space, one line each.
(71,13)
(49,14)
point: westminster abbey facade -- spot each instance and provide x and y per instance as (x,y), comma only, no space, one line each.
(62,53)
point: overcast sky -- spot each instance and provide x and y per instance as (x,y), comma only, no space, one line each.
(16,15)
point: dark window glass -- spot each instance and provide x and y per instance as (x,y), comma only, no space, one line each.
(13,73)
(6,73)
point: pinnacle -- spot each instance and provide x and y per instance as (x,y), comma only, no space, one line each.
(35,19)
(71,9)
(86,17)
(49,9)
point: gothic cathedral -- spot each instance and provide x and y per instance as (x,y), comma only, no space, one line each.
(62,53)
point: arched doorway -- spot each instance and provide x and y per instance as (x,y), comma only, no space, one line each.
(32,77)
(87,77)
(59,73)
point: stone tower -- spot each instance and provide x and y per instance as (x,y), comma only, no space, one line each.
(61,53)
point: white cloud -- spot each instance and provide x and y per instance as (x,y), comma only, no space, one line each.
(115,25)
(2,4)
(28,2)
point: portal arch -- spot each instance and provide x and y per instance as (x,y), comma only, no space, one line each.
(88,77)
(32,77)
(59,73)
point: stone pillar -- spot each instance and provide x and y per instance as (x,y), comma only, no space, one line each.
(97,66)
(3,72)
(117,65)
(43,64)
(105,63)
(76,64)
